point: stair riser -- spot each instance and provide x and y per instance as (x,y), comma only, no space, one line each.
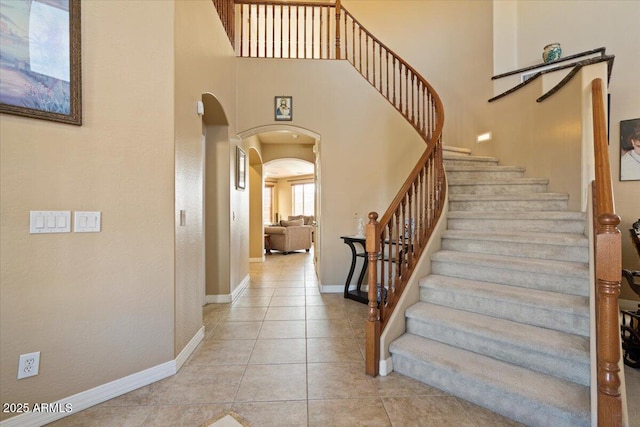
(509,205)
(469,162)
(536,225)
(574,285)
(497,189)
(511,310)
(498,400)
(483,174)
(533,358)
(519,249)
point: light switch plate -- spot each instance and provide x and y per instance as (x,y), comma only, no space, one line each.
(87,222)
(41,222)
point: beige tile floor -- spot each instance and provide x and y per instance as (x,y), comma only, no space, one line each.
(280,355)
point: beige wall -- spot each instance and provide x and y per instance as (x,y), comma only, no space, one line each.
(364,141)
(204,64)
(449,42)
(98,306)
(75,297)
(581,26)
(256,230)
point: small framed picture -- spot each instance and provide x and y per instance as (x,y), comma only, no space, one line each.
(241,169)
(630,150)
(284,108)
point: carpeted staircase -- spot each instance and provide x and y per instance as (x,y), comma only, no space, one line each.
(503,320)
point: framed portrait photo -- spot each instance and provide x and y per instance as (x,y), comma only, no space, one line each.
(41,59)
(284,108)
(630,150)
(241,169)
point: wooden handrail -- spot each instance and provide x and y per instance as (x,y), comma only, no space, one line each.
(600,50)
(608,267)
(576,66)
(396,242)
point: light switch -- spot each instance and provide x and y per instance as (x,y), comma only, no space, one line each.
(41,222)
(87,222)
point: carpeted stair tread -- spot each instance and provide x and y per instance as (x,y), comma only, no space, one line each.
(487,168)
(525,265)
(451,159)
(526,215)
(559,239)
(526,220)
(503,318)
(571,247)
(524,395)
(545,350)
(512,294)
(495,181)
(508,197)
(453,149)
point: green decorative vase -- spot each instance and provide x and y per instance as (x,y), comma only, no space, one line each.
(552,52)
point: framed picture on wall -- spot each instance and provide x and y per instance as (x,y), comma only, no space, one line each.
(40,67)
(630,150)
(284,108)
(241,169)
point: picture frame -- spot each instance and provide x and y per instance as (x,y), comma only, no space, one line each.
(241,169)
(41,66)
(283,108)
(630,150)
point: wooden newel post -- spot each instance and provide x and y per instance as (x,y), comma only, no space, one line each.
(608,278)
(338,11)
(608,271)
(372,342)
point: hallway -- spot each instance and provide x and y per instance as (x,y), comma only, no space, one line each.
(284,355)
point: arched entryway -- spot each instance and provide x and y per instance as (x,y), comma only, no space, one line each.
(271,143)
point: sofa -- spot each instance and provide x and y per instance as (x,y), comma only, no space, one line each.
(290,235)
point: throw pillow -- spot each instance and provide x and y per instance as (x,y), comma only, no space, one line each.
(293,223)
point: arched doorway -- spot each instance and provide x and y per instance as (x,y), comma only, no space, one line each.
(274,143)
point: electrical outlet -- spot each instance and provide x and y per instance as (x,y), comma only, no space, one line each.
(28,365)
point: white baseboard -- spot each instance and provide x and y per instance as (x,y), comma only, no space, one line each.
(386,367)
(86,399)
(217,299)
(189,348)
(238,290)
(331,289)
(228,298)
(262,259)
(94,396)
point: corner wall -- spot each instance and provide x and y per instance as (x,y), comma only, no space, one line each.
(98,306)
(205,64)
(581,26)
(368,148)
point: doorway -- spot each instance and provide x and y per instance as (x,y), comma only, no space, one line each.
(288,157)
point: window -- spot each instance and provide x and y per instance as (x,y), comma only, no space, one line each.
(267,205)
(303,199)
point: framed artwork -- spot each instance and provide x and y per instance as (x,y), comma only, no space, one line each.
(41,60)
(241,169)
(284,108)
(630,150)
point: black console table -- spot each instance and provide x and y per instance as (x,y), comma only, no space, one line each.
(356,294)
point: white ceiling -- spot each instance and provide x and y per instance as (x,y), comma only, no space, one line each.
(284,168)
(285,137)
